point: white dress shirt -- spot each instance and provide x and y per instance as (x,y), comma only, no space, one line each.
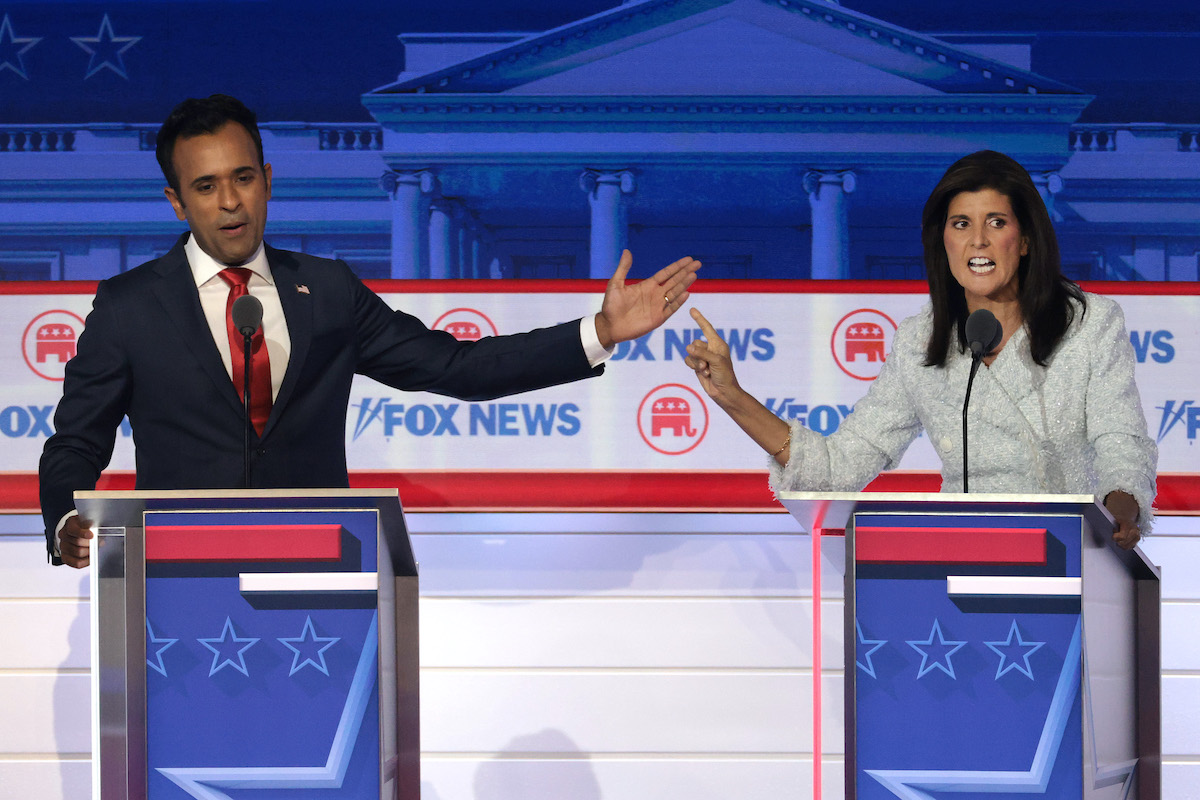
(214,295)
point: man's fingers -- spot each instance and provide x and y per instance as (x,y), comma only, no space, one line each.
(682,269)
(677,303)
(679,283)
(622,270)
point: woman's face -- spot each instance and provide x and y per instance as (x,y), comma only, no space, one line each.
(984,246)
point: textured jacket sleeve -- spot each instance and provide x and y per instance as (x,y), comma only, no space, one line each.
(871,439)
(1126,456)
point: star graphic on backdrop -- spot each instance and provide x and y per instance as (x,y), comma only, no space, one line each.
(228,650)
(309,646)
(1014,653)
(920,784)
(933,653)
(13,48)
(159,646)
(106,49)
(865,648)
(207,783)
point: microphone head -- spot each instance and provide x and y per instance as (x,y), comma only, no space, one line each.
(247,314)
(984,332)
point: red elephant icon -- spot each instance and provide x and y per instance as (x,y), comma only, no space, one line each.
(672,413)
(57,340)
(865,338)
(464,331)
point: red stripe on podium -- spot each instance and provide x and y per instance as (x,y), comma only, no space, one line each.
(874,545)
(244,543)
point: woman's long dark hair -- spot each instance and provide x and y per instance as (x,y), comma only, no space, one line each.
(1043,292)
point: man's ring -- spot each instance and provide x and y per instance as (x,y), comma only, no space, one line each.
(666,300)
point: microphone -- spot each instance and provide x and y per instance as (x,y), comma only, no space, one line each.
(248,312)
(983,330)
(984,333)
(247,315)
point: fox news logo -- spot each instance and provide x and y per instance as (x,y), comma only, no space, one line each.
(477,419)
(670,344)
(824,419)
(1156,346)
(49,342)
(1182,414)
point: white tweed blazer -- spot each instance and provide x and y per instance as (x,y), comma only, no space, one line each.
(1074,426)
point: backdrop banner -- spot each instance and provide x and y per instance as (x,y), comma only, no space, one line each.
(809,350)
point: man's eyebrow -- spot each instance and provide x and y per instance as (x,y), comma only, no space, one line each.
(211,178)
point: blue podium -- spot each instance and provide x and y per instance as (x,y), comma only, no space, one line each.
(253,644)
(995,646)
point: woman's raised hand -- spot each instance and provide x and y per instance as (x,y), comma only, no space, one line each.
(709,357)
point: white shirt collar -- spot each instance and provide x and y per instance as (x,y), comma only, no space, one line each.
(205,267)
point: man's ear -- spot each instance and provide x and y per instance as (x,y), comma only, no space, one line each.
(176,203)
(267,175)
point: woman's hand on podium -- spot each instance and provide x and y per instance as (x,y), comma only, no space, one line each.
(1125,511)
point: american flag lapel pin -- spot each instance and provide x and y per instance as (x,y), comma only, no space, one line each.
(301,288)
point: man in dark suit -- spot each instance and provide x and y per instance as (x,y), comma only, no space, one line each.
(159,348)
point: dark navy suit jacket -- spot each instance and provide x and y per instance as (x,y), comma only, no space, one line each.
(147,352)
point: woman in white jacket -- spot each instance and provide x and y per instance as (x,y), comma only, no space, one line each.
(1055,410)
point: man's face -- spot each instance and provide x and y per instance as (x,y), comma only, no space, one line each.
(223,192)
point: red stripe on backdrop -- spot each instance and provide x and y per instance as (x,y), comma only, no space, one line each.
(703,287)
(193,543)
(903,545)
(522,490)
(48,287)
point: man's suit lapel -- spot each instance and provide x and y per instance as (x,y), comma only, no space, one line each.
(297,310)
(176,291)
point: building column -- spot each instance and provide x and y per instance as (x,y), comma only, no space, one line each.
(446,223)
(410,192)
(610,219)
(830,227)
(475,248)
(1049,184)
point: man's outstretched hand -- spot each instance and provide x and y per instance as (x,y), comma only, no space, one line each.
(633,310)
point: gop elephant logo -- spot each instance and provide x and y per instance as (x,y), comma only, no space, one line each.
(465,324)
(672,419)
(861,341)
(49,342)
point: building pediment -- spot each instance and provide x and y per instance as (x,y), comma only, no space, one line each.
(742,48)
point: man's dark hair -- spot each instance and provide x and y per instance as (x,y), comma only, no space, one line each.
(1043,292)
(196,116)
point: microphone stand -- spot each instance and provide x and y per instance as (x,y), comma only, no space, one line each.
(246,347)
(976,360)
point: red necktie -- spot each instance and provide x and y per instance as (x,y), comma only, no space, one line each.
(260,364)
